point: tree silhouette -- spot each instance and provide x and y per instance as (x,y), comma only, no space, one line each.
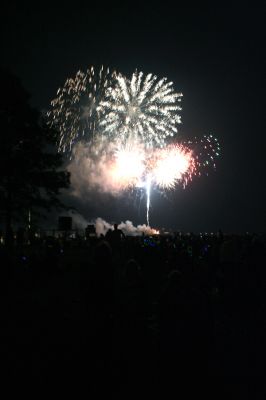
(31,173)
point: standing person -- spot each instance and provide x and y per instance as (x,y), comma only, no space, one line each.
(116,237)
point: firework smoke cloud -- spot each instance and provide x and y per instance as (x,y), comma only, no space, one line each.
(102,226)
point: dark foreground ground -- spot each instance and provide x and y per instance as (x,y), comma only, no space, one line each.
(144,316)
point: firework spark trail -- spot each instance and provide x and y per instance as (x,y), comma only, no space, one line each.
(148,193)
(142,108)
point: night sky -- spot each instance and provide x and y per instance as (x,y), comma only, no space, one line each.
(213,54)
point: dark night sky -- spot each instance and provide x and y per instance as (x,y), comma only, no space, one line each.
(213,54)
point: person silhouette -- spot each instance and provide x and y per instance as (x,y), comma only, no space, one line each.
(116,237)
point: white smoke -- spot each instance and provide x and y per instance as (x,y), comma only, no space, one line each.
(129,229)
(92,168)
(102,226)
(79,222)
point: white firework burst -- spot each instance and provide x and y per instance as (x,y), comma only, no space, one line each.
(142,108)
(74,111)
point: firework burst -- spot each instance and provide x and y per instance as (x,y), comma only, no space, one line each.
(74,111)
(173,165)
(142,108)
(129,166)
(207,150)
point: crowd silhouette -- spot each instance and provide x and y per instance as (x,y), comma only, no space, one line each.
(120,313)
